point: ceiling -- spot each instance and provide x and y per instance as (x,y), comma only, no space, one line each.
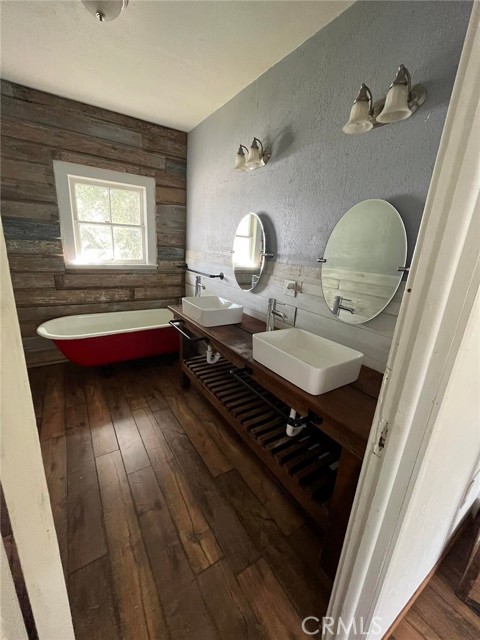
(173,63)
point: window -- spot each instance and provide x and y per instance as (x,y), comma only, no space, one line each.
(246,244)
(107,218)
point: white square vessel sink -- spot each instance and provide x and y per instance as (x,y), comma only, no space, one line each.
(313,363)
(212,311)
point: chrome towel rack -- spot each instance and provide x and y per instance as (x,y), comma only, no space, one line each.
(202,273)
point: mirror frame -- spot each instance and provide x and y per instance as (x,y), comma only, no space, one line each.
(400,275)
(263,251)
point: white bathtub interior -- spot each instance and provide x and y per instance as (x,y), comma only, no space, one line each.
(104,324)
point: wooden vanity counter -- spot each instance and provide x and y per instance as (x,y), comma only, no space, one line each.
(347,412)
(320,467)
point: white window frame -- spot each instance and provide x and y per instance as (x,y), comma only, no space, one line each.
(65,175)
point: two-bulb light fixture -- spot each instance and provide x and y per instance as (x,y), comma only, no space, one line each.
(253,158)
(401,102)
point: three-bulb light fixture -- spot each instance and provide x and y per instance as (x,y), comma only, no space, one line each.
(253,158)
(401,102)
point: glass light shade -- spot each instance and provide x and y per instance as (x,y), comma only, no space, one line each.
(396,105)
(108,9)
(359,121)
(254,159)
(240,162)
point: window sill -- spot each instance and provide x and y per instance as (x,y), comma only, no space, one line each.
(111,267)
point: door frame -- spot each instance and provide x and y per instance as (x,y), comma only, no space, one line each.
(24,484)
(440,291)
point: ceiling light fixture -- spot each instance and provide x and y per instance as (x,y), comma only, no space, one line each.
(401,102)
(105,10)
(253,158)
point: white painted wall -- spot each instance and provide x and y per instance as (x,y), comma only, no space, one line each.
(316,172)
(448,483)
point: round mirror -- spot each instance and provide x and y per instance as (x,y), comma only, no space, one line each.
(248,251)
(360,273)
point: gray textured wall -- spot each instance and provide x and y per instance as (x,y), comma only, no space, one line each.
(316,172)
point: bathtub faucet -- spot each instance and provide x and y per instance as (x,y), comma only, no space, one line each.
(198,286)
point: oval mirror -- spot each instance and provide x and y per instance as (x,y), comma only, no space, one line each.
(248,251)
(364,251)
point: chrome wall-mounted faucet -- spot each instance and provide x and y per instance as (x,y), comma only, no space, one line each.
(338,306)
(198,286)
(272,312)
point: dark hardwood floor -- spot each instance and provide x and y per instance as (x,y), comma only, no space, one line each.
(168,526)
(438,614)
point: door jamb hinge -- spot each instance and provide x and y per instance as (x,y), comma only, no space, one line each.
(382,435)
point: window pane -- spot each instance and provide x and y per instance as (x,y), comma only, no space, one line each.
(92,202)
(127,243)
(95,243)
(125,206)
(243,228)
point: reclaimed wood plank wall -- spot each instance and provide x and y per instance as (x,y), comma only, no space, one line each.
(38,128)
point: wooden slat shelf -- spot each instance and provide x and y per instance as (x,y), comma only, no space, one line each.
(312,456)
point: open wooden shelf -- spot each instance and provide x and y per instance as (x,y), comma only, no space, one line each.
(306,465)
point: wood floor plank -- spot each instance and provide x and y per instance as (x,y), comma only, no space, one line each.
(299,580)
(86,537)
(227,604)
(136,595)
(200,437)
(234,541)
(75,402)
(104,439)
(187,615)
(443,619)
(149,429)
(197,538)
(92,602)
(422,627)
(54,453)
(134,391)
(405,631)
(168,560)
(53,414)
(129,440)
(152,390)
(443,589)
(38,381)
(279,619)
(286,515)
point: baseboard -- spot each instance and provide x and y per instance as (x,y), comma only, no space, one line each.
(453,539)
(43,358)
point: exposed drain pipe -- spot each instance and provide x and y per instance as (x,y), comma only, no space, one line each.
(294,424)
(212,357)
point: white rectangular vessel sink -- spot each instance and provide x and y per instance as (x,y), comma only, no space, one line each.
(212,311)
(313,363)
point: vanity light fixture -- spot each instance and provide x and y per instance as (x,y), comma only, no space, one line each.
(105,10)
(253,158)
(401,102)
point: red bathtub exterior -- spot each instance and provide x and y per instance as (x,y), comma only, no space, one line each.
(103,350)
